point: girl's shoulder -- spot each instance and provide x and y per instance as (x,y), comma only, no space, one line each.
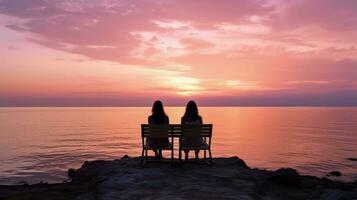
(187,120)
(151,119)
(166,119)
(200,119)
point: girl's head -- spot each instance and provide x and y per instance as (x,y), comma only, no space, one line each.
(191,111)
(158,111)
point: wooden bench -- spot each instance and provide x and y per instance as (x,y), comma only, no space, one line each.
(176,131)
(194,131)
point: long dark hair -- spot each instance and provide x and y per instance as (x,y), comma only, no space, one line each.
(158,112)
(191,111)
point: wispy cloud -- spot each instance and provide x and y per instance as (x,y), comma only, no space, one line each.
(200,47)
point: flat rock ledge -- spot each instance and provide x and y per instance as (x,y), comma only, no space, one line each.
(228,178)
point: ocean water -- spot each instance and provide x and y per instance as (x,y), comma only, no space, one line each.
(40,144)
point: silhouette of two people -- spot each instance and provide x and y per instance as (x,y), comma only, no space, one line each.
(159,117)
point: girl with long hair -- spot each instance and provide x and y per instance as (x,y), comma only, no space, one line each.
(191,116)
(158,117)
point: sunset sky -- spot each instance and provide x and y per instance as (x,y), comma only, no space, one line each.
(218,52)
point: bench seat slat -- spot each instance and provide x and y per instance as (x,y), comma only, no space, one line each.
(148,147)
(202,147)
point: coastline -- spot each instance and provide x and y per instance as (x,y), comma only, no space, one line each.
(229,178)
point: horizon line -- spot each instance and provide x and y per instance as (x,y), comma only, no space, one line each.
(144,106)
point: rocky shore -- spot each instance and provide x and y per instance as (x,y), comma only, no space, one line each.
(228,178)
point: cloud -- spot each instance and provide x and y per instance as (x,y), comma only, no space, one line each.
(307,82)
(81,24)
(195,44)
(333,15)
(211,46)
(139,30)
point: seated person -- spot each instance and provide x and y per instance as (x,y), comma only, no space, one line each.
(191,116)
(158,117)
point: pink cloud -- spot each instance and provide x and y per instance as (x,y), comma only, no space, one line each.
(333,15)
(111,23)
(268,43)
(195,44)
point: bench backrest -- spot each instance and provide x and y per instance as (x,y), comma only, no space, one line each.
(159,131)
(191,130)
(175,130)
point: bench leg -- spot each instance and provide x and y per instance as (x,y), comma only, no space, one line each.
(142,158)
(146,154)
(172,160)
(180,155)
(210,157)
(172,157)
(204,154)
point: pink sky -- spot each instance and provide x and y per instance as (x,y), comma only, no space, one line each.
(132,52)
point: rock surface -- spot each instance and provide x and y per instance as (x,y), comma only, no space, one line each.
(229,178)
(335,173)
(285,176)
(352,159)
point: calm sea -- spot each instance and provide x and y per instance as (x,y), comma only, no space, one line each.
(40,144)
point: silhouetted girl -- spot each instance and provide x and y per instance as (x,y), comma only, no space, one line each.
(191,116)
(158,117)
